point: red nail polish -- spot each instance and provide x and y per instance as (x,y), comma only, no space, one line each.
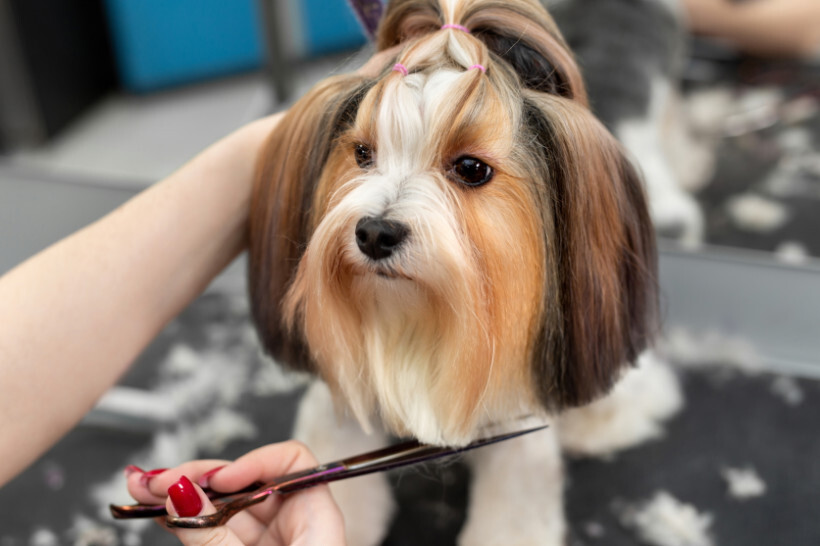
(204,481)
(185,498)
(130,469)
(146,476)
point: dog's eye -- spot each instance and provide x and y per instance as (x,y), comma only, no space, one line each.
(364,156)
(471,171)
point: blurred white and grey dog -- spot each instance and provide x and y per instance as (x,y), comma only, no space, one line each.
(632,55)
(454,243)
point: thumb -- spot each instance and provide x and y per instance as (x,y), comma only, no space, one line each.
(185,499)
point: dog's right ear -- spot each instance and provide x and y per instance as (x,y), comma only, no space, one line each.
(288,170)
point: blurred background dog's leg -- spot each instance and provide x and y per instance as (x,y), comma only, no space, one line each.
(631,63)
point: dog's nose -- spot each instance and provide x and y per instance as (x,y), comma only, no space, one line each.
(378,238)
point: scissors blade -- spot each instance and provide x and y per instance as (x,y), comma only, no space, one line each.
(388,458)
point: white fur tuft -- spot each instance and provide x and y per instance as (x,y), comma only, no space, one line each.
(743,483)
(756,213)
(666,521)
(629,415)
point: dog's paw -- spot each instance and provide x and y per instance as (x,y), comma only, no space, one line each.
(676,215)
(631,414)
(482,536)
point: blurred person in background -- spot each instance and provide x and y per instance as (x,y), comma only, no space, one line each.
(781,28)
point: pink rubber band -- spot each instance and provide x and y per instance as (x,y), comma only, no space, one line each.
(480,67)
(456,27)
(398,67)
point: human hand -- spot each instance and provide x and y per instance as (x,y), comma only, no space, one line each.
(306,517)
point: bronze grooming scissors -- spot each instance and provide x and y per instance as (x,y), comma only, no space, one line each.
(229,504)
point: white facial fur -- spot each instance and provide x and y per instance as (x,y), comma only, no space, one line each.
(409,307)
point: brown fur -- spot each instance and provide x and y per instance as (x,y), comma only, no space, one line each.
(287,174)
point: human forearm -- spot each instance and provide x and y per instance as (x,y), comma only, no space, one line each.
(764,27)
(77,314)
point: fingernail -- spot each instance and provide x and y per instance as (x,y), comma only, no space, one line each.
(204,481)
(130,469)
(147,476)
(185,498)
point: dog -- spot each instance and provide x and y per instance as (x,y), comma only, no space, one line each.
(632,54)
(453,244)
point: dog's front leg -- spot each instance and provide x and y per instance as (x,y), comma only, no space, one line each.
(516,495)
(366,502)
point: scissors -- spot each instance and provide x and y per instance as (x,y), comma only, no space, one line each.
(229,504)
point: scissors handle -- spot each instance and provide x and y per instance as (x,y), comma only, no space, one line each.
(228,507)
(137,511)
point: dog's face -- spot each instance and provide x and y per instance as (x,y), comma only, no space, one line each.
(456,244)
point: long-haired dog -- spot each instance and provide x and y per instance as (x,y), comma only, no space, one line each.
(453,243)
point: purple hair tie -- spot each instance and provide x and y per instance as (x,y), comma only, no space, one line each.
(369,13)
(456,27)
(479,66)
(398,67)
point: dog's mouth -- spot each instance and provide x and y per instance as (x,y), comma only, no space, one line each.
(381,270)
(390,273)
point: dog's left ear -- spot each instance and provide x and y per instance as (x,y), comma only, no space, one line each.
(602,311)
